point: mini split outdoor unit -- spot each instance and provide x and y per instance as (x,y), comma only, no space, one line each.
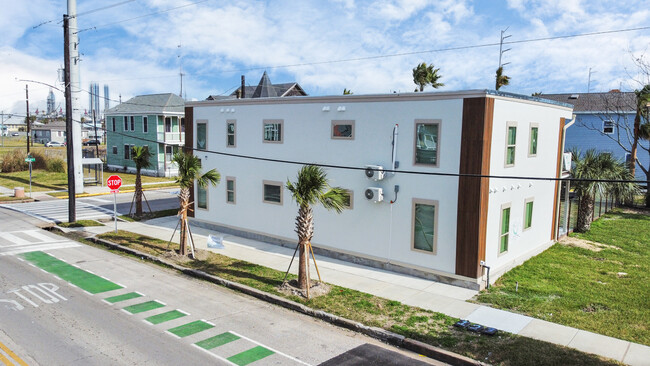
(375,172)
(375,194)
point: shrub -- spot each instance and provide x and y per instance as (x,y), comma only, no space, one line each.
(14,162)
(41,161)
(55,165)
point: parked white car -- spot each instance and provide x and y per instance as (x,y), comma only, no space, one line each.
(54,144)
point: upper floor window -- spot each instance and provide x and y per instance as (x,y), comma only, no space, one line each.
(168,124)
(528,213)
(126,123)
(230,190)
(230,133)
(132,123)
(145,124)
(113,121)
(348,199)
(201,197)
(511,142)
(273,130)
(114,150)
(532,144)
(201,135)
(427,137)
(343,130)
(608,127)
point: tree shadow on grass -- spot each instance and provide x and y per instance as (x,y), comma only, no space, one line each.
(240,270)
(25,182)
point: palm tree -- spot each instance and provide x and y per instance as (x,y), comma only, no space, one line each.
(347,91)
(598,166)
(189,170)
(140,156)
(501,80)
(424,75)
(311,188)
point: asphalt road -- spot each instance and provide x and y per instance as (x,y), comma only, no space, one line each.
(160,199)
(85,306)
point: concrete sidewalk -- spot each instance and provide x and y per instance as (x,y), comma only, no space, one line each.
(446,299)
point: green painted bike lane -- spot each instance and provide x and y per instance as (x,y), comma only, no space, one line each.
(95,284)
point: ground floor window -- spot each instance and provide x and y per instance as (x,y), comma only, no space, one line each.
(114,150)
(201,197)
(424,217)
(272,192)
(505,228)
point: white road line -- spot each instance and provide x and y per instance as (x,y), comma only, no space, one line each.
(214,355)
(172,334)
(126,311)
(15,239)
(183,312)
(271,349)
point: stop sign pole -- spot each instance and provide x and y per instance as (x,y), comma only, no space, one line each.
(114,182)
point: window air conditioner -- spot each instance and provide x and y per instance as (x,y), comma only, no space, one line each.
(374,194)
(375,172)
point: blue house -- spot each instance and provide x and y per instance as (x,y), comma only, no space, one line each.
(605,122)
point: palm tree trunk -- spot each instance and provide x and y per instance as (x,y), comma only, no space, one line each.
(138,193)
(647,187)
(635,142)
(184,197)
(305,230)
(585,214)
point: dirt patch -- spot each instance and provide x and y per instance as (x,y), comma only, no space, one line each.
(173,255)
(586,244)
(316,289)
(635,210)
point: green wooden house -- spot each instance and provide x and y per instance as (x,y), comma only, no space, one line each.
(156,120)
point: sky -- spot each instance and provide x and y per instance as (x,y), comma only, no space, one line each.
(138,47)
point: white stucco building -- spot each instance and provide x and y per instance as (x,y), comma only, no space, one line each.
(441,224)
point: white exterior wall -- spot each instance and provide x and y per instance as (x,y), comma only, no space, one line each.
(522,243)
(378,231)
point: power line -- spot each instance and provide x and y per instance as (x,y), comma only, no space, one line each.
(84,13)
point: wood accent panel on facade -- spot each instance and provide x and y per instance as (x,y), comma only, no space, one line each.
(557,175)
(473,193)
(189,145)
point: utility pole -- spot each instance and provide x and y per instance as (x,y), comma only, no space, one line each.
(28,121)
(180,69)
(96,139)
(72,214)
(589,80)
(75,93)
(501,50)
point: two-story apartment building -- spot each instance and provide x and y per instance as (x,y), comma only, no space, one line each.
(155,120)
(416,167)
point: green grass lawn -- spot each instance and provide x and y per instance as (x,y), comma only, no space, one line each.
(80,223)
(424,325)
(606,291)
(46,181)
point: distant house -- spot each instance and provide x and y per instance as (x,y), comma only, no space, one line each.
(604,121)
(155,120)
(43,133)
(264,89)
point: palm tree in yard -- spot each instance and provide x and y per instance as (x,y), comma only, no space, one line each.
(311,188)
(141,158)
(189,170)
(424,75)
(501,79)
(598,166)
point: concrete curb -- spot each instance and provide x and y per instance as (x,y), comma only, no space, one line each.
(377,333)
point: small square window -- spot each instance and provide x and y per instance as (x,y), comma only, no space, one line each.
(608,127)
(343,130)
(272,192)
(427,137)
(230,133)
(273,130)
(230,190)
(114,150)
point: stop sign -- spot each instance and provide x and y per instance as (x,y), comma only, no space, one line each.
(114,182)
